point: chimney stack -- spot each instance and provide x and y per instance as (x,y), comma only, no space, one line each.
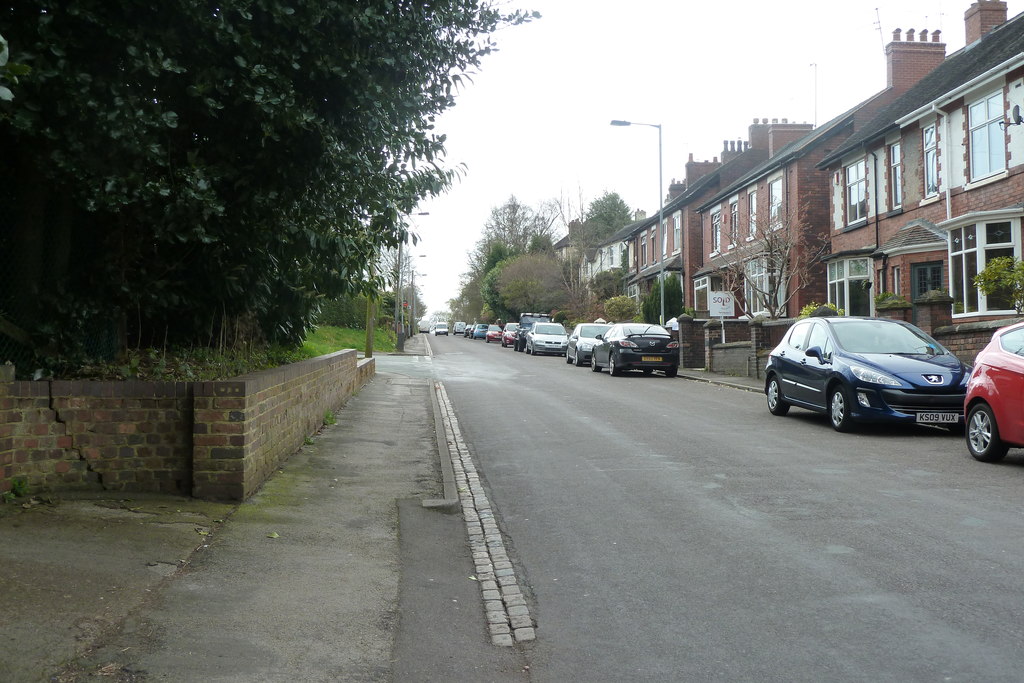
(982,17)
(908,61)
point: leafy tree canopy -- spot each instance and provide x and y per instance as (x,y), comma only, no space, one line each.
(171,167)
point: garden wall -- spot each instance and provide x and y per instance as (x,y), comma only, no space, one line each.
(214,440)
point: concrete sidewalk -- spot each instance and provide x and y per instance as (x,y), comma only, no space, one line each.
(301,582)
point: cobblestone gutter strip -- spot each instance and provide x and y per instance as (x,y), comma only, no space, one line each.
(508,616)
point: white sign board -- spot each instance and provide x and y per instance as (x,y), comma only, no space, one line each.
(722,305)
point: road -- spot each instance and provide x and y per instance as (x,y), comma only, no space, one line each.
(669,530)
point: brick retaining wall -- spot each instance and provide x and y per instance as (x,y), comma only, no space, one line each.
(214,440)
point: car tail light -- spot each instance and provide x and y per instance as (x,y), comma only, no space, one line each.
(626,342)
(673,345)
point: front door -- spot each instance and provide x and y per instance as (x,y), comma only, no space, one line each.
(924,277)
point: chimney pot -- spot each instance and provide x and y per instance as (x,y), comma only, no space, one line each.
(764,121)
(910,35)
(785,120)
(924,35)
(897,35)
(935,35)
(775,120)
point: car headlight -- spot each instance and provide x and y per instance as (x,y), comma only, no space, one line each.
(874,376)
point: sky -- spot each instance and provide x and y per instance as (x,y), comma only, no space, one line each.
(535,121)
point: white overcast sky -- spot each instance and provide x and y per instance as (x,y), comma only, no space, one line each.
(535,121)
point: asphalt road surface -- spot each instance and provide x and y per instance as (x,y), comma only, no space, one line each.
(670,530)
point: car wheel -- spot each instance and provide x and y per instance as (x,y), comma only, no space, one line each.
(776,404)
(594,367)
(672,371)
(529,351)
(613,369)
(579,361)
(839,407)
(983,435)
(568,358)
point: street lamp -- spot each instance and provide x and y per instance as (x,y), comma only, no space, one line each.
(399,317)
(661,204)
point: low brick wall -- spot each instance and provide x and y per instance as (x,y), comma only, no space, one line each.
(214,440)
(733,359)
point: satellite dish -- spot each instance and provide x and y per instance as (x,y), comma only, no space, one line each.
(1015,114)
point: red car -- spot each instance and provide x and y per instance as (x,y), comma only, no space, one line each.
(508,335)
(995,421)
(493,334)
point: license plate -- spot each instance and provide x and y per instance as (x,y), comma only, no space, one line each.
(651,359)
(938,417)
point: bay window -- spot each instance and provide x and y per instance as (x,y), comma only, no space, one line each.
(849,285)
(971,247)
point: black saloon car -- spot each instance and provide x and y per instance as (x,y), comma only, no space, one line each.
(636,346)
(866,370)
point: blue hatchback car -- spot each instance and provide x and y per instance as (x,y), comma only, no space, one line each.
(866,370)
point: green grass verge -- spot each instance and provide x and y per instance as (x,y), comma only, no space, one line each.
(328,339)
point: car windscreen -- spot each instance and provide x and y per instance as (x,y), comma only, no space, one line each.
(873,336)
(593,330)
(548,328)
(494,328)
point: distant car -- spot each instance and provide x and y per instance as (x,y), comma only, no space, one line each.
(440,329)
(636,346)
(459,328)
(508,335)
(866,370)
(582,341)
(493,334)
(468,332)
(546,338)
(995,421)
(424,326)
(480,331)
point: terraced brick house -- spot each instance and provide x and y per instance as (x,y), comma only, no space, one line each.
(930,190)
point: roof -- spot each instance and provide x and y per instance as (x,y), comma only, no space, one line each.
(914,235)
(673,264)
(1003,43)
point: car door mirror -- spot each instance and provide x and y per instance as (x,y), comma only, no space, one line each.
(599,337)
(815,352)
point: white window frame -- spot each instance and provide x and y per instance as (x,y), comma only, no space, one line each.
(930,156)
(702,284)
(664,240)
(734,221)
(751,215)
(677,232)
(842,274)
(971,247)
(643,250)
(855,191)
(716,231)
(654,245)
(895,175)
(755,270)
(986,139)
(775,203)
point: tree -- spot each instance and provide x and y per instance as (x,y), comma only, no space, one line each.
(1002,281)
(767,272)
(608,283)
(620,309)
(174,168)
(651,305)
(531,282)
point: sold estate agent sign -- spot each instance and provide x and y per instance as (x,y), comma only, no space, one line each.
(722,305)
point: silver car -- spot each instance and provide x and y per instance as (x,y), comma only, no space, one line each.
(546,338)
(581,342)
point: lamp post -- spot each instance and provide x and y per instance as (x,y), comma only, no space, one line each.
(661,205)
(414,326)
(399,313)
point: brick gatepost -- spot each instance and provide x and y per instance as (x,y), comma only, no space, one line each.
(934,310)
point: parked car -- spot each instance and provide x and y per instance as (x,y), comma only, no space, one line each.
(526,321)
(469,331)
(995,421)
(493,334)
(866,370)
(546,338)
(440,328)
(581,342)
(635,346)
(459,328)
(508,335)
(480,331)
